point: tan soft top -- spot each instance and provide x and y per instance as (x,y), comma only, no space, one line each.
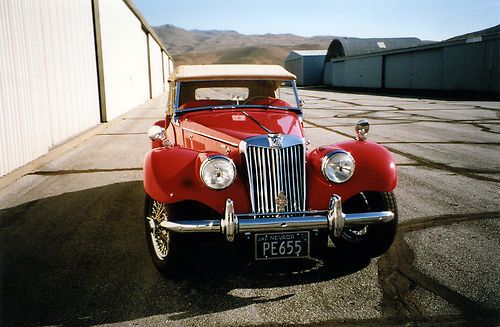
(230,72)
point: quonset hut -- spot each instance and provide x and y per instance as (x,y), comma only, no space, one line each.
(351,46)
(307,65)
(468,64)
(339,71)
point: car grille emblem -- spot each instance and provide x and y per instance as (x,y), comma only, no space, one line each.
(276,140)
(281,201)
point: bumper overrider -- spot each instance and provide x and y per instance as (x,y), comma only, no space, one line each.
(233,224)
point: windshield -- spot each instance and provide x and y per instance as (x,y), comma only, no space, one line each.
(204,95)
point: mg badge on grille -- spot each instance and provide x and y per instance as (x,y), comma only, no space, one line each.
(276,140)
(281,201)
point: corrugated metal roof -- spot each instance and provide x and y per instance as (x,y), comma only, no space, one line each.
(491,33)
(294,54)
(348,47)
(487,31)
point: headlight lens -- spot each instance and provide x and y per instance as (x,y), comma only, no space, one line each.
(338,166)
(218,172)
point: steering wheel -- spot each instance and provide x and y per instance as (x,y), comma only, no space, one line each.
(258,97)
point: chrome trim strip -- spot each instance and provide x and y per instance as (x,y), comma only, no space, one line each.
(210,136)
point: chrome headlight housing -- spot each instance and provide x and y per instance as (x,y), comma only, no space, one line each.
(338,166)
(218,172)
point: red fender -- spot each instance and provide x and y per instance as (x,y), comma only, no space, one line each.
(172,174)
(375,171)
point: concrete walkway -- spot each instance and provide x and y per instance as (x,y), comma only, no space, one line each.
(110,153)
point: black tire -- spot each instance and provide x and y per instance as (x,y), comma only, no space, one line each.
(370,240)
(319,244)
(165,247)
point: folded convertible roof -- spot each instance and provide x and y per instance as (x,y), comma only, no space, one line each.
(230,72)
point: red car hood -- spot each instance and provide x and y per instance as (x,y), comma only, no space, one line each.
(238,124)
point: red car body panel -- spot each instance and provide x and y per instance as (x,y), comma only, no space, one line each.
(234,125)
(375,171)
(171,174)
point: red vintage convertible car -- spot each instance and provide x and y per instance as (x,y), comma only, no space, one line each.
(230,158)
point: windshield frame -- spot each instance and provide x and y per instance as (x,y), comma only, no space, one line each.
(178,113)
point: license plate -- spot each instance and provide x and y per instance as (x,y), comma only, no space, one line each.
(281,245)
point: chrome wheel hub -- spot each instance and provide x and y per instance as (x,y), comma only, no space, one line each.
(356,234)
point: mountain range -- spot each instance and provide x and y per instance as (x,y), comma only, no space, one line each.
(231,47)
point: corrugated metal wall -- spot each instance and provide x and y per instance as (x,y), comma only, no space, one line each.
(426,70)
(155,60)
(327,73)
(398,71)
(166,66)
(166,71)
(451,66)
(125,58)
(492,65)
(363,72)
(464,67)
(295,66)
(48,81)
(338,73)
(312,70)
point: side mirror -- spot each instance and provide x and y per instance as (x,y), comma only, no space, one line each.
(157,133)
(362,128)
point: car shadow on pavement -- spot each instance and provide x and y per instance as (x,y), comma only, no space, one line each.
(81,258)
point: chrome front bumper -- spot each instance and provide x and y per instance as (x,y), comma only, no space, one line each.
(332,219)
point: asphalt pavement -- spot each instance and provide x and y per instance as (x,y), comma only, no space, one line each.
(73,249)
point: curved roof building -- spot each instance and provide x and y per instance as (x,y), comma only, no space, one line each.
(350,46)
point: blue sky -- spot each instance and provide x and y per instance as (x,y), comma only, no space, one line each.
(425,19)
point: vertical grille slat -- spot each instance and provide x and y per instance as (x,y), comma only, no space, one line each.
(273,186)
(295,177)
(265,157)
(275,170)
(288,163)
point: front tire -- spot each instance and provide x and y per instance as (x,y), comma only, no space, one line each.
(163,245)
(369,240)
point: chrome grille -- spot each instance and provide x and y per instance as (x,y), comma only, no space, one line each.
(274,173)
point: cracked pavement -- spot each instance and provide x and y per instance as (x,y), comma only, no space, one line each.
(73,250)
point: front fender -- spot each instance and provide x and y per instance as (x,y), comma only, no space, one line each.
(375,171)
(171,174)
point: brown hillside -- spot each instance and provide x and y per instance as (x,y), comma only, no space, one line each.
(225,47)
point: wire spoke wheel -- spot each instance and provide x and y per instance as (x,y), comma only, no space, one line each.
(160,237)
(369,240)
(163,245)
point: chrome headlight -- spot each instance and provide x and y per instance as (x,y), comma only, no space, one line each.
(218,172)
(338,166)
